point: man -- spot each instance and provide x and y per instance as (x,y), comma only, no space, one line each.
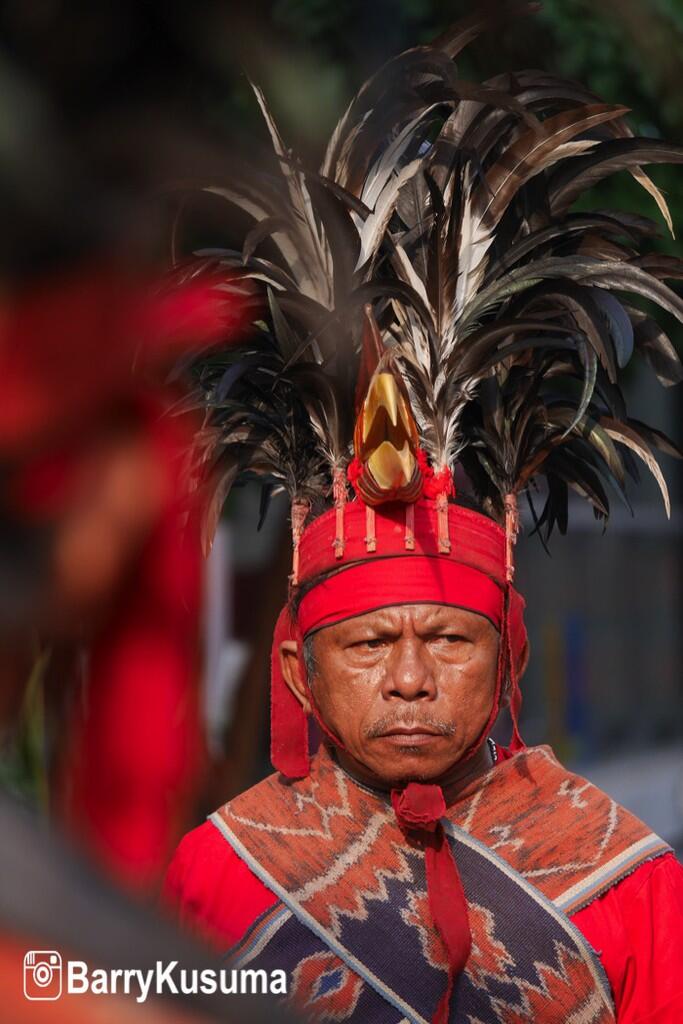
(408,691)
(415,870)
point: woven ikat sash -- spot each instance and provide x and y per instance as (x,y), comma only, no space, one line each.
(352,927)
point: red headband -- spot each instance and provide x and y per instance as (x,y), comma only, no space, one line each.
(414,579)
(365,546)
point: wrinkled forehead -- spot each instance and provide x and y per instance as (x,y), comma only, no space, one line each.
(416,618)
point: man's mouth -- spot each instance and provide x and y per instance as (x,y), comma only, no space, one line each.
(411,730)
(410,735)
(407,733)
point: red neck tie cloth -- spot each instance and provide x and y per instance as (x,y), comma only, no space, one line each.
(419,809)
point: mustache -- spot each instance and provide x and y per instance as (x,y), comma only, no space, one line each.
(386,722)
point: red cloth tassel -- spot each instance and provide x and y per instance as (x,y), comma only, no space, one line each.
(419,808)
(289,748)
(288,720)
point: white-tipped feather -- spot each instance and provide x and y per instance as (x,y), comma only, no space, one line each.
(317,282)
(375,226)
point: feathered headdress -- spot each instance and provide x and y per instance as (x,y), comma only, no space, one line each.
(429,305)
(429,299)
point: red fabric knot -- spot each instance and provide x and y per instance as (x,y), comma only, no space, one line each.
(421,806)
(418,806)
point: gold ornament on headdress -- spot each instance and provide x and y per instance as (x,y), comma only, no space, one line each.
(385,438)
(386,441)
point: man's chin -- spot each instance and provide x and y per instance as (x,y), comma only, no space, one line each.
(412,766)
(391,766)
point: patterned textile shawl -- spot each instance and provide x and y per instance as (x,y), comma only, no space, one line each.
(533,843)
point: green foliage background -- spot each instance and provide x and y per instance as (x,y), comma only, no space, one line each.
(311,56)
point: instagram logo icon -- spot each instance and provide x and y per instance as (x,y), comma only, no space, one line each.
(42,974)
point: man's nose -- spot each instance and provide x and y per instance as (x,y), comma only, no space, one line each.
(409,674)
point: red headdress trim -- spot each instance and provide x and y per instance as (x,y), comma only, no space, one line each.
(400,579)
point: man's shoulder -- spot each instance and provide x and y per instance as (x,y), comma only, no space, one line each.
(538,785)
(575,839)
(274,785)
(205,845)
(199,854)
(540,770)
(211,888)
(274,798)
(209,880)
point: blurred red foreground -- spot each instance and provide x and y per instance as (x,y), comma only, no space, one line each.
(90,460)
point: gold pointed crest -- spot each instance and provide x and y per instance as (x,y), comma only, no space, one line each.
(386,441)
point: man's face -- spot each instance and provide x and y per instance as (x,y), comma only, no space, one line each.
(407,689)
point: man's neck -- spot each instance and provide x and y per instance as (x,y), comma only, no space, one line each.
(453,782)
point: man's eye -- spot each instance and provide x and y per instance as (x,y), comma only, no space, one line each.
(451,638)
(371,644)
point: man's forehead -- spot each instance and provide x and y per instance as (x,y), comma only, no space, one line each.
(399,616)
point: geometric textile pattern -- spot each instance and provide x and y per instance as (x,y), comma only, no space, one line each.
(353,927)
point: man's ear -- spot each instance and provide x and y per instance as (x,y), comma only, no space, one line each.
(291,671)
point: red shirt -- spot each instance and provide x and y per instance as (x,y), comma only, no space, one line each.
(636,927)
